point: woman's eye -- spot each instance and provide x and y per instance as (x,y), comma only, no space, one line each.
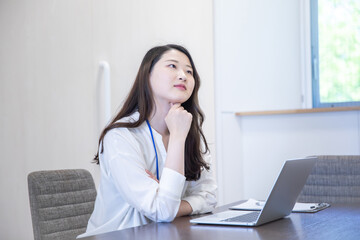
(189,72)
(172,66)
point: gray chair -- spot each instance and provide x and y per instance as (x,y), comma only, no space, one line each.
(334,179)
(61,202)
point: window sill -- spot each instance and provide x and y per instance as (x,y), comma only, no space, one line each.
(296,111)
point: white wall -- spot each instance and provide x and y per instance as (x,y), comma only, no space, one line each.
(269,140)
(259,66)
(49,55)
(257,51)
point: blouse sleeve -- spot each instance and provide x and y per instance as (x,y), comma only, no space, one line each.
(201,194)
(124,163)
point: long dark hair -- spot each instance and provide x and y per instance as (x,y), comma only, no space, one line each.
(141,99)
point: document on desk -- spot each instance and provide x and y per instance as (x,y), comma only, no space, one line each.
(255,205)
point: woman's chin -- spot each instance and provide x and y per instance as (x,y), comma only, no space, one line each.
(180,100)
(174,101)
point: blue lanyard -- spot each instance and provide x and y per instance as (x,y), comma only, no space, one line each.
(157,164)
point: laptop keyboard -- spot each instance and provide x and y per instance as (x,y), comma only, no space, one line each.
(249,217)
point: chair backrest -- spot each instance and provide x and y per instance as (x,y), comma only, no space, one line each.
(61,202)
(334,179)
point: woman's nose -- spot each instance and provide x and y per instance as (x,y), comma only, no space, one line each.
(182,75)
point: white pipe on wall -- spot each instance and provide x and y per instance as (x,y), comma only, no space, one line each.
(104,68)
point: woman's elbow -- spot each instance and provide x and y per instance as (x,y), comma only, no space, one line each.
(165,219)
(165,214)
(210,205)
(162,212)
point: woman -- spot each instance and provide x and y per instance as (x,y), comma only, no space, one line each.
(152,155)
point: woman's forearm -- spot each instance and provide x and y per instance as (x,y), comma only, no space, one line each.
(175,155)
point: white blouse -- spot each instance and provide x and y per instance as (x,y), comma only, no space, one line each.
(128,197)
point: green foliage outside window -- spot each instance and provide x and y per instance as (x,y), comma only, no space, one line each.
(339,50)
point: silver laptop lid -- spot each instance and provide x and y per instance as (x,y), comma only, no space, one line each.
(280,201)
(286,189)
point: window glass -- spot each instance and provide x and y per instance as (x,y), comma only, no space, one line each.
(336,52)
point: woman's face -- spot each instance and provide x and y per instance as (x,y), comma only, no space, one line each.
(171,78)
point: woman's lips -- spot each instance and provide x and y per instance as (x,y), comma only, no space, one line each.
(180,86)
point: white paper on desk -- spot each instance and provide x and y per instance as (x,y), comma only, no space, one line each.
(255,205)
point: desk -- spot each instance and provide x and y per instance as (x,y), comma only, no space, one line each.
(340,221)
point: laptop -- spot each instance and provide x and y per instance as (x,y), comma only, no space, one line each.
(279,203)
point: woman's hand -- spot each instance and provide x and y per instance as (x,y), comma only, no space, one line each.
(151,175)
(178,121)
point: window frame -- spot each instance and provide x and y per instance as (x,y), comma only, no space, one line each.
(315,81)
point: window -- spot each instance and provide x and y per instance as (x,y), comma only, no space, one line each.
(335,52)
